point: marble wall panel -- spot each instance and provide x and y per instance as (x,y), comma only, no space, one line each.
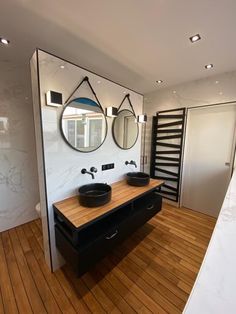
(18,171)
(63,164)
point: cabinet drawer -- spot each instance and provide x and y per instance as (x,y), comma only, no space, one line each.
(95,229)
(149,204)
(82,258)
(70,254)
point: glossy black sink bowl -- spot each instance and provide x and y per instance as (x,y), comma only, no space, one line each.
(94,194)
(137,178)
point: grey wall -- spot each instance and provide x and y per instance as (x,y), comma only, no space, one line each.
(18,172)
(214,89)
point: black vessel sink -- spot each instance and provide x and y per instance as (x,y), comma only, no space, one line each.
(94,194)
(137,178)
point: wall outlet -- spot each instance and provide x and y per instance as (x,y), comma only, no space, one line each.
(108,166)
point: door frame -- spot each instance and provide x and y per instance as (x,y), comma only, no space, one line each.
(233,152)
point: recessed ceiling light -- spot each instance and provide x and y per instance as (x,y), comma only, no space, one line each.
(195,38)
(209,66)
(124,92)
(62,66)
(99,82)
(174,91)
(217,82)
(159,81)
(4,41)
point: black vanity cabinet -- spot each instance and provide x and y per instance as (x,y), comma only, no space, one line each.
(82,247)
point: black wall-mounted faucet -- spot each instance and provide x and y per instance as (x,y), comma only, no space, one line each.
(93,169)
(131,162)
(83,171)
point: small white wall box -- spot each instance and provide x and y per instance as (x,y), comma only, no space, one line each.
(53,99)
(142,118)
(111,112)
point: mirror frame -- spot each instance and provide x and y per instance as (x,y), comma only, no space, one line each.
(65,139)
(113,132)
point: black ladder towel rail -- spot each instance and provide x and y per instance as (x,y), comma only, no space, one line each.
(166,150)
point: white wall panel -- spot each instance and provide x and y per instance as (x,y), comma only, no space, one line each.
(63,164)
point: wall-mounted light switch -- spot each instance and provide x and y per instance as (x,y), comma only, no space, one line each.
(108,166)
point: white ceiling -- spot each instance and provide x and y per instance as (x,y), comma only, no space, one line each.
(133,42)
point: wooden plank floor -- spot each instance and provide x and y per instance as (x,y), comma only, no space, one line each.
(151,272)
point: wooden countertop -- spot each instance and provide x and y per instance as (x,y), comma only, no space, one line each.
(122,193)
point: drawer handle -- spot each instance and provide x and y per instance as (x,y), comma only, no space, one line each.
(150,207)
(112,236)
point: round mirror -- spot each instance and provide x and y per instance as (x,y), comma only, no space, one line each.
(83,124)
(125,129)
